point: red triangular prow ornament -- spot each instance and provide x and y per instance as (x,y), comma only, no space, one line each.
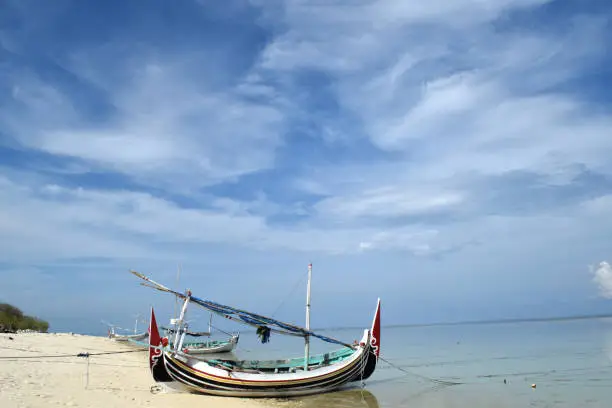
(375,333)
(154,340)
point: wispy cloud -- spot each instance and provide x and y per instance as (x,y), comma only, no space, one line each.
(159,128)
(454,99)
(450,95)
(46,222)
(444,93)
(387,202)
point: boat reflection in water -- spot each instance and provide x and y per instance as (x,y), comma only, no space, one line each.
(348,398)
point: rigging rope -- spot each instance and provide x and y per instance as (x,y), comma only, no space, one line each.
(298,283)
(222,331)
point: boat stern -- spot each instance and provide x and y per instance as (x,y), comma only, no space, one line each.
(375,332)
(371,343)
(156,352)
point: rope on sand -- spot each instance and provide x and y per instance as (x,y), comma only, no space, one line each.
(86,355)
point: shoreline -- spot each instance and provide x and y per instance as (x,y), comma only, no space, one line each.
(46,371)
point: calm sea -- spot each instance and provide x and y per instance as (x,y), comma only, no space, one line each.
(569,361)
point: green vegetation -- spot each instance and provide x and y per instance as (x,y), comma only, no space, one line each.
(13,319)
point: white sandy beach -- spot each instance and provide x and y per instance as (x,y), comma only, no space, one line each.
(119,380)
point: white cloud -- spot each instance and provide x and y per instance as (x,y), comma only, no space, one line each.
(53,221)
(600,206)
(603,279)
(465,121)
(47,223)
(389,67)
(438,101)
(348,37)
(50,222)
(417,243)
(166,125)
(387,202)
(455,11)
(430,83)
(452,97)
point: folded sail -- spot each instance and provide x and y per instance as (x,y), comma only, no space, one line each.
(243,316)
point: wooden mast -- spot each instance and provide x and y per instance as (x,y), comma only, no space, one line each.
(136,324)
(176,299)
(307,338)
(180,325)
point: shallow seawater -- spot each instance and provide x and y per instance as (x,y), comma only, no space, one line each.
(570,362)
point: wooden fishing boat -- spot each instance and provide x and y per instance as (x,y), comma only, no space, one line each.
(191,347)
(127,337)
(261,378)
(136,336)
(210,346)
(202,347)
(198,348)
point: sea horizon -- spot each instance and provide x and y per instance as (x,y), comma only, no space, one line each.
(103,329)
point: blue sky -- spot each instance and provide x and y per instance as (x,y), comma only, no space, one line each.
(450,157)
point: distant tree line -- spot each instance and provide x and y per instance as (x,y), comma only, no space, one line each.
(13,319)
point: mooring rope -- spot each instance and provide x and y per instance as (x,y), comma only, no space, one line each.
(478,378)
(433,380)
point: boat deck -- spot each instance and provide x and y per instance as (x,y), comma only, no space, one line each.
(284,365)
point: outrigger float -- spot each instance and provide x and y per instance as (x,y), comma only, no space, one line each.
(260,378)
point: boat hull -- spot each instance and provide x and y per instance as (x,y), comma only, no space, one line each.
(198,377)
(219,348)
(128,337)
(222,347)
(264,378)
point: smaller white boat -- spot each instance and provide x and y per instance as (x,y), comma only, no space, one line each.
(199,347)
(210,346)
(193,347)
(127,337)
(135,336)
